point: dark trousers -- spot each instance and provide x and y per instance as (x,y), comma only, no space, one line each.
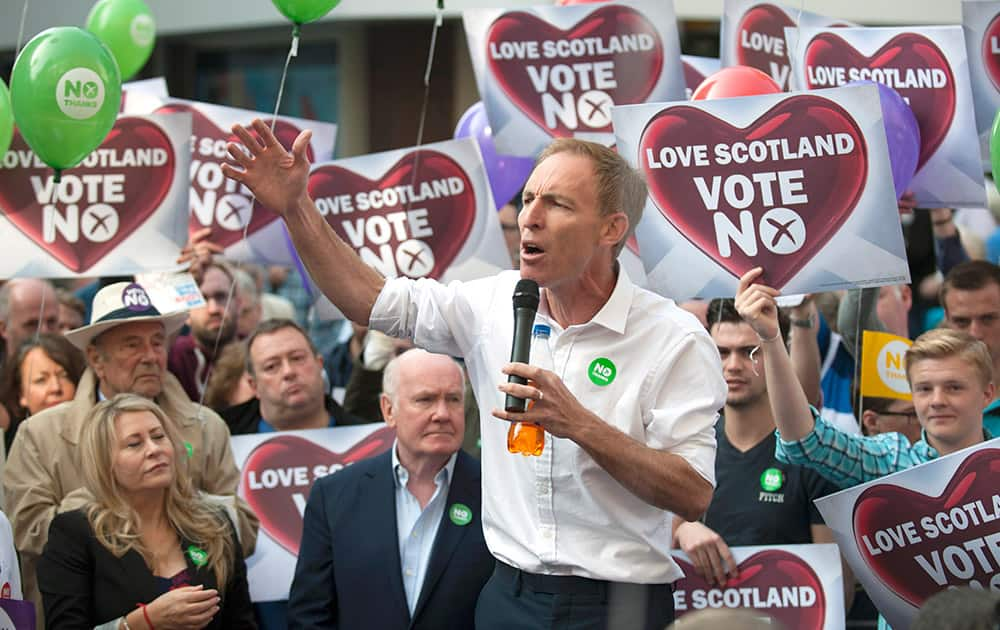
(513,599)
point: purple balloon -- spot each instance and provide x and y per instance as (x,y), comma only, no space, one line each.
(507,173)
(901,133)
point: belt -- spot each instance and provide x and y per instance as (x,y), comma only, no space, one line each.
(558,584)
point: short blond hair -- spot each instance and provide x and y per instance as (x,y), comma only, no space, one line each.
(942,343)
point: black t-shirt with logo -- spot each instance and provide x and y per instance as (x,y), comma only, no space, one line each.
(761,501)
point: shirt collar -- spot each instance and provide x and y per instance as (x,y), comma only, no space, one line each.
(614,314)
(993,407)
(400,475)
(929,452)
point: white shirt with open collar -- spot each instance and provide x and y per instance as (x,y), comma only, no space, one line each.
(562,513)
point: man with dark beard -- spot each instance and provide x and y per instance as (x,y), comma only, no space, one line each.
(212,327)
(757,500)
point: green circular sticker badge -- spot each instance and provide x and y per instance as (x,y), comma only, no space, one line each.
(190,449)
(772,479)
(602,371)
(199,557)
(460,514)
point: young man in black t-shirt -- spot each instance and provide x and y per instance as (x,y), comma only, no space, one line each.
(757,500)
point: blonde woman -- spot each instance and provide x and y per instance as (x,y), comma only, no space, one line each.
(146,552)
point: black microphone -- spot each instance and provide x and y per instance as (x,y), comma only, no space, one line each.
(525,307)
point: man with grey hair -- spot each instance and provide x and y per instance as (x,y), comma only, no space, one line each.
(28,306)
(427,538)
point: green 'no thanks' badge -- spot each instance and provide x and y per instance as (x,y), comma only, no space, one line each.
(460,514)
(602,371)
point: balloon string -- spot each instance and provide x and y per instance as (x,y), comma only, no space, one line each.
(12,352)
(41,318)
(795,44)
(20,31)
(438,20)
(293,51)
(858,360)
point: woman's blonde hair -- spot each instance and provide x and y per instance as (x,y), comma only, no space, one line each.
(115,522)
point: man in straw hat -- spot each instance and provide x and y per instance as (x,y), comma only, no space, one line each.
(126,347)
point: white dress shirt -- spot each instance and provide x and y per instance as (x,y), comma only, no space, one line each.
(561,513)
(417,527)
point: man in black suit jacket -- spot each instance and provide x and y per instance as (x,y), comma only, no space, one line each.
(396,541)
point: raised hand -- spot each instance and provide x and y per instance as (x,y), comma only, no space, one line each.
(277,177)
(755,304)
(199,251)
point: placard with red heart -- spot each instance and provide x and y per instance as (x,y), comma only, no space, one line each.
(981,26)
(208,155)
(916,532)
(752,33)
(834,183)
(929,69)
(295,463)
(696,69)
(221,203)
(796,183)
(882,510)
(934,108)
(418,213)
(120,211)
(278,471)
(446,221)
(552,72)
(991,50)
(799,586)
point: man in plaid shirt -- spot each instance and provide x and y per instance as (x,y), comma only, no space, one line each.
(950,374)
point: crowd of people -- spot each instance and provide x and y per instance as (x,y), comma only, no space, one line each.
(717,428)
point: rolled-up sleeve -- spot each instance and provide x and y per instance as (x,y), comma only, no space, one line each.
(437,317)
(689,392)
(844,459)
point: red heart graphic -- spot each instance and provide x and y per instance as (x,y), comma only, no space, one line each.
(991,54)
(637,72)
(833,183)
(210,188)
(887,507)
(934,108)
(760,41)
(763,571)
(401,244)
(276,506)
(143,190)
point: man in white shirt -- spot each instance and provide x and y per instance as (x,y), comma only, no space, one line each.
(582,533)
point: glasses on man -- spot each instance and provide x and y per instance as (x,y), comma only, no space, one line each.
(910,416)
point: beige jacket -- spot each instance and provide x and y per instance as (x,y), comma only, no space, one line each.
(43,466)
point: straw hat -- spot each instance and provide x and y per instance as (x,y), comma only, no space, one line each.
(122,303)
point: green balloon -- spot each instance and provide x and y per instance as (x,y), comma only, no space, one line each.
(6,119)
(995,150)
(65,91)
(128,29)
(302,11)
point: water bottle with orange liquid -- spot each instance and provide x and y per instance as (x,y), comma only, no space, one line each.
(527,438)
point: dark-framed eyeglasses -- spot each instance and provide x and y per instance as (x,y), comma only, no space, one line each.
(909,415)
